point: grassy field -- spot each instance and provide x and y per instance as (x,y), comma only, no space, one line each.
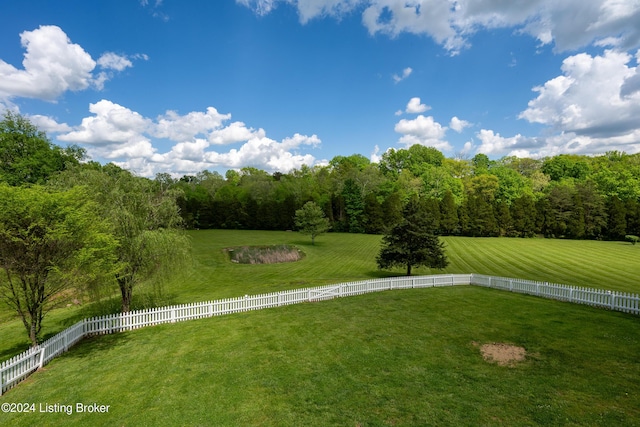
(339,258)
(395,358)
(392,358)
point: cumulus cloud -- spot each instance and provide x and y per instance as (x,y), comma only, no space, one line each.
(595,96)
(591,108)
(494,143)
(424,131)
(53,65)
(414,106)
(48,124)
(405,73)
(116,133)
(569,24)
(173,126)
(458,125)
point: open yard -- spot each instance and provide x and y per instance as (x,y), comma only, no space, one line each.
(391,358)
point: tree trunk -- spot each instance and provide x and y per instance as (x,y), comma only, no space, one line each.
(408,269)
(127,293)
(33,333)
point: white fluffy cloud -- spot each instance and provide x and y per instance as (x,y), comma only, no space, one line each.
(112,132)
(53,65)
(458,124)
(591,108)
(414,106)
(594,95)
(178,128)
(424,131)
(116,133)
(569,24)
(48,125)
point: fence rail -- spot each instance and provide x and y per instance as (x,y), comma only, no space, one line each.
(21,366)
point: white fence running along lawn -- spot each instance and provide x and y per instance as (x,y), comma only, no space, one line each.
(21,366)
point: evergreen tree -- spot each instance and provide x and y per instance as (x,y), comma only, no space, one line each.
(617,221)
(412,242)
(504,220)
(354,206)
(373,215)
(523,214)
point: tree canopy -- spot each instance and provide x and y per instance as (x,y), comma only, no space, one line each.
(143,217)
(50,242)
(27,156)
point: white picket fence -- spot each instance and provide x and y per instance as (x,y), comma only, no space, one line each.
(21,366)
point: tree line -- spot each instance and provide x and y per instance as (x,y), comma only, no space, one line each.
(564,196)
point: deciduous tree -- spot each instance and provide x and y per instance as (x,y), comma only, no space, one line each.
(143,217)
(50,243)
(27,156)
(311,220)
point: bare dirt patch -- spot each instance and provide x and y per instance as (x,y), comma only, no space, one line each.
(501,353)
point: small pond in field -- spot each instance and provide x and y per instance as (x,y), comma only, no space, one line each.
(264,254)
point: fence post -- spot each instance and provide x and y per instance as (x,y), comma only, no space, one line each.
(41,361)
(613,300)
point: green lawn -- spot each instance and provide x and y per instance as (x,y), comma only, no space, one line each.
(338,257)
(391,358)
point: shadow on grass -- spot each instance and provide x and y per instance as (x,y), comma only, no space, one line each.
(96,344)
(8,353)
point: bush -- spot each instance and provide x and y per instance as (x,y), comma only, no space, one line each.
(632,239)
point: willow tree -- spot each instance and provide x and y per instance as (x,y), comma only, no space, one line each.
(145,220)
(52,244)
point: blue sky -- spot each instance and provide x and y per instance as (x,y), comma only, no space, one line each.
(182,86)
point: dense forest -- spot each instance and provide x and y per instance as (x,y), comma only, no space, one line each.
(564,196)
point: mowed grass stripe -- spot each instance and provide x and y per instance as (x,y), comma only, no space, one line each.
(484,257)
(610,265)
(338,257)
(391,358)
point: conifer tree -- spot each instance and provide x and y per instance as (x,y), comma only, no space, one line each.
(412,242)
